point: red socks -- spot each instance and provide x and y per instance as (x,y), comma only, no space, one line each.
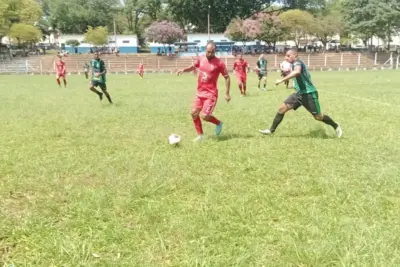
(198,126)
(214,120)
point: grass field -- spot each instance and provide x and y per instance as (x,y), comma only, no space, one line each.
(83,183)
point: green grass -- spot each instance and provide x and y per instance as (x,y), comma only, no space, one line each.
(83,183)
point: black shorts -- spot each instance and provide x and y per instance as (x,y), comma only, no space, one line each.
(309,101)
(262,75)
(102,85)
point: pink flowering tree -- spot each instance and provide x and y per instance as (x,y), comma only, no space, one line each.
(164,32)
(271,28)
(243,30)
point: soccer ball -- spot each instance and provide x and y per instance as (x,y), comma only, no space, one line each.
(174,139)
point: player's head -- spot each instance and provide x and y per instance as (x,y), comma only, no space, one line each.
(291,56)
(96,55)
(210,50)
(262,57)
(240,56)
(59,57)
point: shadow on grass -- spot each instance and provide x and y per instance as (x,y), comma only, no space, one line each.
(233,136)
(320,133)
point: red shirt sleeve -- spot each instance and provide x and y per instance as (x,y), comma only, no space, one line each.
(196,64)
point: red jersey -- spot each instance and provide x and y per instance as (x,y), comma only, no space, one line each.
(60,66)
(141,66)
(240,66)
(209,71)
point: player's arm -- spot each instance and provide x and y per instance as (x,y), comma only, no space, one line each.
(296,72)
(190,68)
(103,66)
(225,73)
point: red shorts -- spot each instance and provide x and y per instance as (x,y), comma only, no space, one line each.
(241,78)
(141,71)
(206,105)
(61,74)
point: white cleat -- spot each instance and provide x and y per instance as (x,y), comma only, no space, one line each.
(265,132)
(339,132)
(199,138)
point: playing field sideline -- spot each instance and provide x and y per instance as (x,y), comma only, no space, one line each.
(83,183)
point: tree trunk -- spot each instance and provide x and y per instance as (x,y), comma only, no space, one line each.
(129,18)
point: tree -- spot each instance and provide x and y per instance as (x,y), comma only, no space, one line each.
(243,30)
(326,27)
(297,24)
(3,18)
(187,12)
(23,11)
(73,43)
(18,11)
(24,34)
(164,32)
(387,18)
(74,16)
(97,36)
(313,6)
(272,29)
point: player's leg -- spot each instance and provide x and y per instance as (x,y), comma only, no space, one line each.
(313,106)
(58,80)
(197,106)
(244,82)
(259,79)
(103,88)
(239,84)
(265,81)
(87,75)
(292,102)
(92,88)
(64,80)
(206,114)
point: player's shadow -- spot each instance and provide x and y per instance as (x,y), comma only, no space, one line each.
(233,136)
(319,134)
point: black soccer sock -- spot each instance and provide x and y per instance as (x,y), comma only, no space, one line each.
(326,119)
(108,97)
(277,120)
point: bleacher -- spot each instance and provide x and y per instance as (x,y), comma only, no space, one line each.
(154,63)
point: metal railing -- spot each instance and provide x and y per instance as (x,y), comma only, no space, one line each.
(160,64)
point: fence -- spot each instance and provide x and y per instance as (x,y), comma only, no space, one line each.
(129,64)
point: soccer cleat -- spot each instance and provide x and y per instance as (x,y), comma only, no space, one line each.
(218,129)
(199,138)
(339,131)
(265,132)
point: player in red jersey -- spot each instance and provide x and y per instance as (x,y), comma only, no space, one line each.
(210,67)
(61,72)
(241,68)
(141,69)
